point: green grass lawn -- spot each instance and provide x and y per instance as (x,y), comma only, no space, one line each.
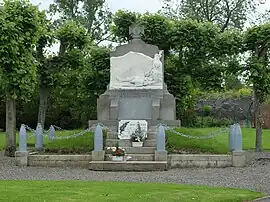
(78,191)
(217,145)
(82,144)
(175,143)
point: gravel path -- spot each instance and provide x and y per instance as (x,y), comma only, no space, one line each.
(254,177)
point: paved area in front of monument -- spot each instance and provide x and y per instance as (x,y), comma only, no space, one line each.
(255,176)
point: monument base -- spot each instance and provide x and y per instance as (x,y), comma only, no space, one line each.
(136,105)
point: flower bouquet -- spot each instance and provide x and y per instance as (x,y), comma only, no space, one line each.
(117,153)
(137,137)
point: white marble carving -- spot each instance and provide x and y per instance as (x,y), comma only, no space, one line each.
(136,71)
(127,127)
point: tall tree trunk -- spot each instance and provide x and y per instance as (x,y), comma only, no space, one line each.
(10,127)
(43,104)
(258,122)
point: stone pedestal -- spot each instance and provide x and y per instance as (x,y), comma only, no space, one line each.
(161,155)
(238,159)
(21,158)
(98,155)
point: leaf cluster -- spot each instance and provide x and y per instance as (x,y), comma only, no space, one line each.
(257,40)
(21,26)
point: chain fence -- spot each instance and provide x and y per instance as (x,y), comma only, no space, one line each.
(173,130)
(46,133)
(210,135)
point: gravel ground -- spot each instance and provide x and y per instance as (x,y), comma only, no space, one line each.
(255,177)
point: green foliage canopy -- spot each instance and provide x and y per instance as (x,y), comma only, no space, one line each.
(257,40)
(21,26)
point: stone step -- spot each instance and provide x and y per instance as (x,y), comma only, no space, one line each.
(114,135)
(128,165)
(135,157)
(127,143)
(139,150)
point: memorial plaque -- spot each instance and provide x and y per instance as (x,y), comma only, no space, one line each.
(136,71)
(127,127)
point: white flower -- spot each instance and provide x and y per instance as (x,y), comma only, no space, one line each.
(113,149)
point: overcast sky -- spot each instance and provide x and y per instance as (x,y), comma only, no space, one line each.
(141,6)
(133,5)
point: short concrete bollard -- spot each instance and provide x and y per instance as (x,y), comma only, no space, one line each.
(22,139)
(161,138)
(51,133)
(39,137)
(238,138)
(21,156)
(235,144)
(161,153)
(98,139)
(98,154)
(235,138)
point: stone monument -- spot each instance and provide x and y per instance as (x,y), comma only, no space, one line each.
(137,90)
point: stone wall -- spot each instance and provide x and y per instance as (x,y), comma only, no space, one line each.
(232,108)
(239,109)
(205,161)
(73,161)
(174,161)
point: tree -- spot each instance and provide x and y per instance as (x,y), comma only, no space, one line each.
(76,26)
(257,43)
(225,13)
(95,76)
(196,45)
(157,28)
(94,15)
(53,70)
(122,20)
(18,66)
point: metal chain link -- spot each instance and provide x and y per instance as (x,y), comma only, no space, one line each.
(32,130)
(45,134)
(208,136)
(93,127)
(71,136)
(57,128)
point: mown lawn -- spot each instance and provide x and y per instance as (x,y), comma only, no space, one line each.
(175,143)
(78,191)
(82,144)
(218,145)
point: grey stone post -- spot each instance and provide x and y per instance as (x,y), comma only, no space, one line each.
(237,138)
(21,156)
(22,139)
(98,154)
(51,133)
(238,155)
(161,153)
(39,137)
(231,137)
(161,138)
(98,139)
